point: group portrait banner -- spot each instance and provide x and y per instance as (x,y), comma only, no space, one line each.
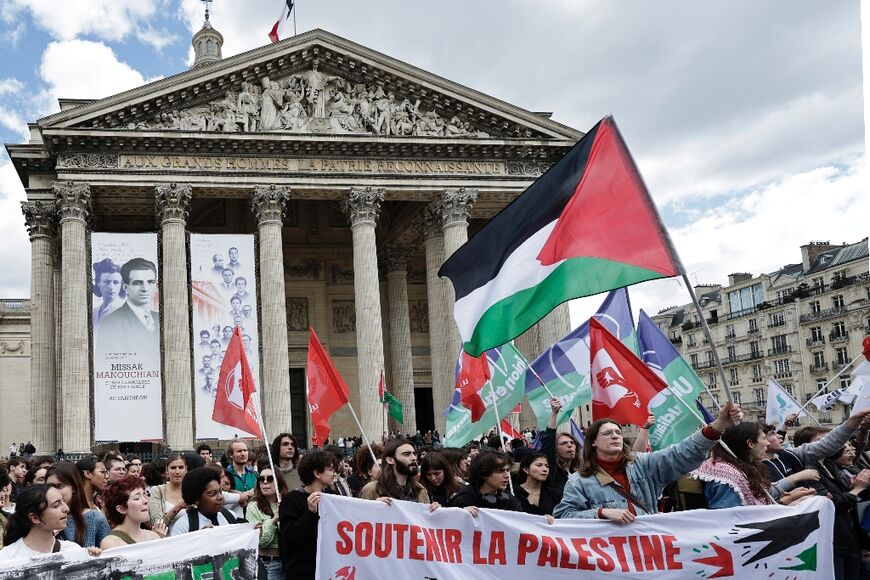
(366,539)
(125,323)
(223,296)
(222,552)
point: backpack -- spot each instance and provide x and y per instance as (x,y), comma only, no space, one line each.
(193,518)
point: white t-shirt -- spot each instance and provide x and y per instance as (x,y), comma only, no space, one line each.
(19,550)
(181,524)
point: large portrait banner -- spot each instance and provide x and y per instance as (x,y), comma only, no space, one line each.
(223,296)
(125,320)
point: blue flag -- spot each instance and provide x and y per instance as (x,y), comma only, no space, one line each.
(578,434)
(564,367)
(704,412)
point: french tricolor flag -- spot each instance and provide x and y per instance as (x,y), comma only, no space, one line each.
(279,30)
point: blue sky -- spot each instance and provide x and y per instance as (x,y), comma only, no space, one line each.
(745,117)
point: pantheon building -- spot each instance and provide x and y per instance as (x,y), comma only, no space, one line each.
(354,174)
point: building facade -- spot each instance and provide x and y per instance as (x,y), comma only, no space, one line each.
(357,173)
(801,325)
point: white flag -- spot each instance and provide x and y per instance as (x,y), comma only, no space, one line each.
(779,404)
(861,381)
(826,401)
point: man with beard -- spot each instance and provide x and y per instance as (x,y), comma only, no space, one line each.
(398,476)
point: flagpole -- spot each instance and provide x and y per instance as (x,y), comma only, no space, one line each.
(498,426)
(266,441)
(535,373)
(782,390)
(364,436)
(834,378)
(294,19)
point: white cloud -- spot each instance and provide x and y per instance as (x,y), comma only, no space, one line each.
(759,231)
(15,250)
(10,86)
(14,121)
(68,67)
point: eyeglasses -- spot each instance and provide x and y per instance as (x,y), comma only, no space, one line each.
(266,478)
(213,493)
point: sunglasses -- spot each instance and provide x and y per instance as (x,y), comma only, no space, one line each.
(266,478)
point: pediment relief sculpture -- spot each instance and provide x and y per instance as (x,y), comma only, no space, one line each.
(313,102)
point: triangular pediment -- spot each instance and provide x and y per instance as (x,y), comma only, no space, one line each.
(316,83)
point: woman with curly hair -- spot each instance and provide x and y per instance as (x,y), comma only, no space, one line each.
(86,526)
(126,505)
(108,286)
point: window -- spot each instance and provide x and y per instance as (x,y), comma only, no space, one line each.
(837,301)
(760,396)
(729,331)
(777,319)
(710,357)
(745,298)
(819,359)
(820,383)
(734,377)
(842,355)
(756,371)
(711,379)
(815,307)
(790,390)
(839,330)
(691,340)
(779,343)
(781,366)
(694,359)
(817,335)
(754,349)
(736,395)
(753,326)
(818,282)
(783,294)
(732,353)
(845,382)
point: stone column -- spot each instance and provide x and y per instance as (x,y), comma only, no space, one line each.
(455,208)
(399,318)
(57,279)
(173,204)
(74,207)
(442,364)
(269,203)
(362,207)
(41,219)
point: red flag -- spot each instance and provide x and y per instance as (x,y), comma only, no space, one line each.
(866,347)
(622,385)
(234,404)
(327,391)
(508,431)
(473,375)
(381,387)
(278,32)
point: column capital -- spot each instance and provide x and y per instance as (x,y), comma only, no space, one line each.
(363,204)
(429,220)
(456,204)
(73,200)
(269,203)
(40,217)
(395,258)
(173,201)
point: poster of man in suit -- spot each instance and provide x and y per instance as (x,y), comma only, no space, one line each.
(223,286)
(126,339)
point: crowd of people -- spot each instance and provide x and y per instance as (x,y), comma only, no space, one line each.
(113,500)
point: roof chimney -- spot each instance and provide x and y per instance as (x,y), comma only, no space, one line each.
(809,252)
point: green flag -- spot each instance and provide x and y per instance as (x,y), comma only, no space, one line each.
(394,407)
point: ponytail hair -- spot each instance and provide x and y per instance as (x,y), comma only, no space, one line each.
(31,501)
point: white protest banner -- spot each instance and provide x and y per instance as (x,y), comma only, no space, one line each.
(221,552)
(223,296)
(779,404)
(126,326)
(367,539)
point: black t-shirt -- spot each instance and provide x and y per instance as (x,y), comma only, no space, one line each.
(471,496)
(550,498)
(298,536)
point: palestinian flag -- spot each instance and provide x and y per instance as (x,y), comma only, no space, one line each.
(586,226)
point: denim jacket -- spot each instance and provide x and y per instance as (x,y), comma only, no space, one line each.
(648,475)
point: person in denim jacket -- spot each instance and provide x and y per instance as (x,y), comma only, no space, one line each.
(609,467)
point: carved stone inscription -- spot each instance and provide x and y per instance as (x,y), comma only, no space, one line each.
(225,164)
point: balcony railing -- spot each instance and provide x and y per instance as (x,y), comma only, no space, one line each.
(752,331)
(731,336)
(814,342)
(757,379)
(734,384)
(785,349)
(822,368)
(775,323)
(839,336)
(738,358)
(782,375)
(821,314)
(839,365)
(677,340)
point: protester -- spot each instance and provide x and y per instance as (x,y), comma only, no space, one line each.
(299,516)
(40,513)
(285,455)
(438,478)
(263,509)
(537,493)
(5,490)
(116,467)
(458,460)
(397,479)
(488,480)
(611,475)
(783,466)
(42,461)
(166,504)
(736,476)
(93,473)
(244,478)
(204,451)
(86,525)
(562,449)
(155,472)
(17,467)
(201,488)
(340,466)
(134,464)
(126,505)
(365,468)
(35,476)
